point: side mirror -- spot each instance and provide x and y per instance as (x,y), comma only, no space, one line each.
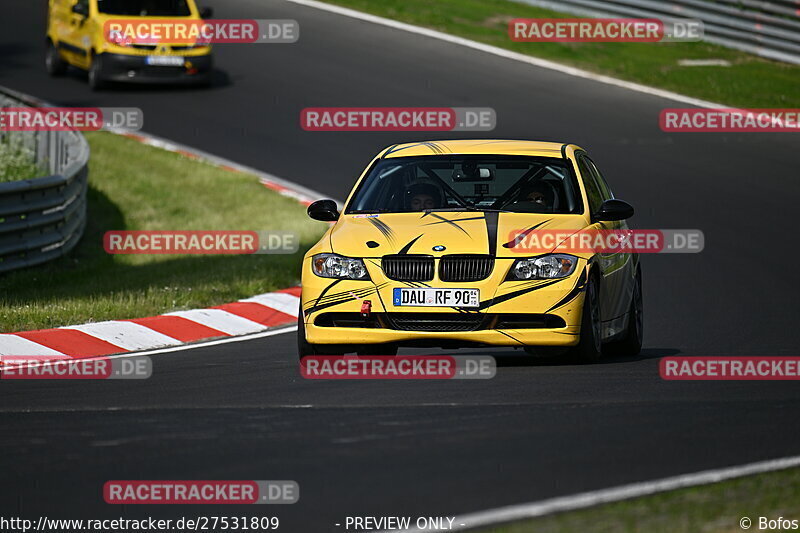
(324,210)
(206,12)
(613,209)
(81,9)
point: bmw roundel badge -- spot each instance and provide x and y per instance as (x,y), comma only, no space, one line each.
(439,248)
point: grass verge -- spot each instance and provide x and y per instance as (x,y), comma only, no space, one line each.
(137,187)
(713,508)
(750,81)
(17,162)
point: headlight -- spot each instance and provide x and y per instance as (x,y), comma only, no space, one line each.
(545,267)
(336,266)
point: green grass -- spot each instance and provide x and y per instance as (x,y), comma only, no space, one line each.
(750,81)
(137,187)
(17,163)
(708,509)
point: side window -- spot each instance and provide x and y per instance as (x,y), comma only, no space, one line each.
(592,191)
(84,6)
(605,191)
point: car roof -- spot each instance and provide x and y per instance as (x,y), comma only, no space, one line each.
(475,146)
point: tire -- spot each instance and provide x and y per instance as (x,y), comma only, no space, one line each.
(305,348)
(96,81)
(589,348)
(631,344)
(53,62)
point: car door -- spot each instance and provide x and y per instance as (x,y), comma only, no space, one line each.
(75,40)
(610,264)
(621,266)
(60,22)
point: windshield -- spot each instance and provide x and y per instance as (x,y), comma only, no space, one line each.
(145,8)
(482,183)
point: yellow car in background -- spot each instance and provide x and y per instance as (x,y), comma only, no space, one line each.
(424,254)
(76,36)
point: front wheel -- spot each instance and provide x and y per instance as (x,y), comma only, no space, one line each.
(305,348)
(54,63)
(631,344)
(96,81)
(589,349)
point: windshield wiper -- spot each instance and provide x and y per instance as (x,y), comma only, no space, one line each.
(468,208)
(460,208)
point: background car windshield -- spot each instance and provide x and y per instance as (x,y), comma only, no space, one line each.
(506,183)
(145,8)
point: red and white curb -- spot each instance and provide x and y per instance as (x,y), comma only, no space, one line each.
(251,315)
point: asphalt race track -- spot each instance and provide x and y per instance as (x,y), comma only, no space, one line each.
(241,410)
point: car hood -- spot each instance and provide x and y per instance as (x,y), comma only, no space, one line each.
(434,233)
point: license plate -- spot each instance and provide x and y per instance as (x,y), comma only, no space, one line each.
(165,61)
(428,297)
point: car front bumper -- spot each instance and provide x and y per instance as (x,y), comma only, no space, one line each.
(134,69)
(551,309)
(567,336)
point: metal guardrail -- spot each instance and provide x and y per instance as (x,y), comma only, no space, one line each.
(43,218)
(768,29)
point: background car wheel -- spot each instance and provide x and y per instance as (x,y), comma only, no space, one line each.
(53,62)
(589,349)
(96,81)
(631,343)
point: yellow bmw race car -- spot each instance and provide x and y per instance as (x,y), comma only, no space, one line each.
(426,252)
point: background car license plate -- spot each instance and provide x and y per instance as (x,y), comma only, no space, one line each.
(165,61)
(429,297)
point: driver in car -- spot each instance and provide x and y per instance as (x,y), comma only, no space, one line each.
(537,196)
(422,196)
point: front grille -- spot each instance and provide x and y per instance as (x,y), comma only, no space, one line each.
(347,320)
(465,267)
(436,321)
(144,46)
(408,267)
